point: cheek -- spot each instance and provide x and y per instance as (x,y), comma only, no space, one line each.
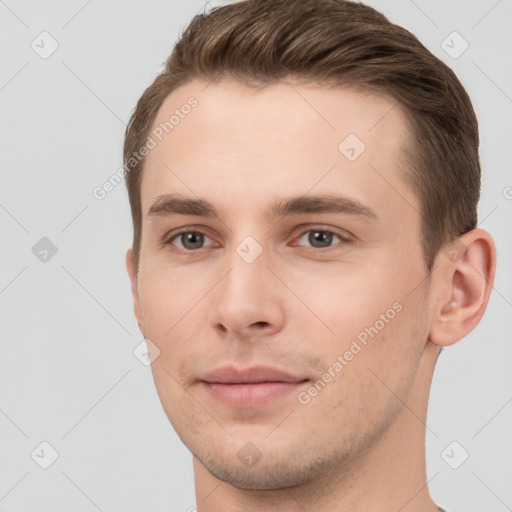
(378,330)
(392,345)
(350,302)
(165,298)
(173,307)
(372,379)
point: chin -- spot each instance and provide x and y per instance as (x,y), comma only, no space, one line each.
(262,476)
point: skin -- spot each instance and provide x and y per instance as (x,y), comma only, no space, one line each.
(359,443)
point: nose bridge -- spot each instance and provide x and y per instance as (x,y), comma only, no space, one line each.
(247,263)
(249,250)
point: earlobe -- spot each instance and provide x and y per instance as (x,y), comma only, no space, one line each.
(133,274)
(464,284)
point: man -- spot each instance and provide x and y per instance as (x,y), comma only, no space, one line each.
(303,178)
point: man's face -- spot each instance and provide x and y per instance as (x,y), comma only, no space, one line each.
(334,297)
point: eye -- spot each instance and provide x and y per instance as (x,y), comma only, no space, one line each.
(193,240)
(188,240)
(321,238)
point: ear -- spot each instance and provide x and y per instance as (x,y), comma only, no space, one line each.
(464,278)
(132,272)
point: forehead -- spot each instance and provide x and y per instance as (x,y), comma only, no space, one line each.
(226,140)
(308,109)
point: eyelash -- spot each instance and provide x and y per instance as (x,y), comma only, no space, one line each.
(168,240)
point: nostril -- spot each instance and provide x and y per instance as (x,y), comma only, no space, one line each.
(222,328)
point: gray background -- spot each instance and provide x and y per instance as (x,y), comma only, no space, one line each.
(68,374)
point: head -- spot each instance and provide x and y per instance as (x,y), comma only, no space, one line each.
(321,160)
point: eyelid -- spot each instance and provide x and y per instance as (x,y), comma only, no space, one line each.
(342,233)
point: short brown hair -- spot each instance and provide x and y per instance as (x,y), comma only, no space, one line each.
(337,43)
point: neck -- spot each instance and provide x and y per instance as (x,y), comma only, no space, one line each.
(388,476)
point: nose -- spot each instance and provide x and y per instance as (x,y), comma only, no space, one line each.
(248,301)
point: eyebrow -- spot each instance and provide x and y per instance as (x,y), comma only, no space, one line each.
(176,204)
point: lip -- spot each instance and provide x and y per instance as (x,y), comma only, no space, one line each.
(250,387)
(251,375)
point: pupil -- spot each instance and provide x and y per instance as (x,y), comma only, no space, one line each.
(321,237)
(192,240)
